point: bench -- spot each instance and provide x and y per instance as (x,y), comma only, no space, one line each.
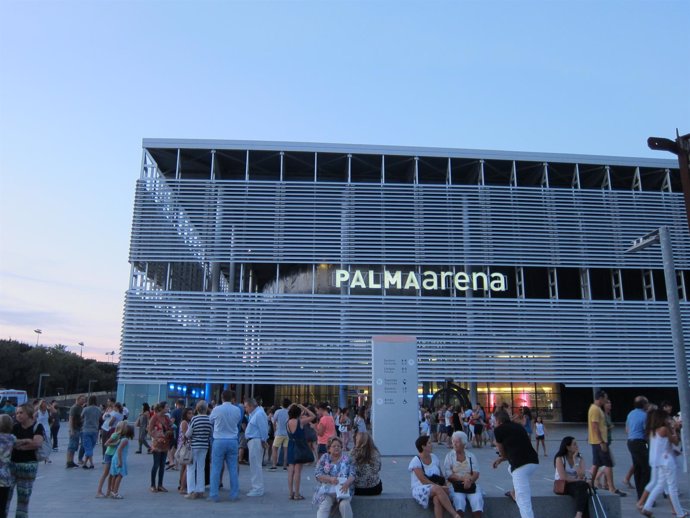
(403,506)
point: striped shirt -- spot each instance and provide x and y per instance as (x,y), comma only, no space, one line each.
(201,428)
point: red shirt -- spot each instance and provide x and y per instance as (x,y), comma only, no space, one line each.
(327,427)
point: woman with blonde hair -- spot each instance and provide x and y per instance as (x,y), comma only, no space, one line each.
(367,463)
(199,433)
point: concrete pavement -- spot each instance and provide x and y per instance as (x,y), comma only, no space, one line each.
(69,493)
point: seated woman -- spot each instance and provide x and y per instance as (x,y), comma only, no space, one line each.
(570,466)
(461,468)
(367,464)
(336,476)
(427,482)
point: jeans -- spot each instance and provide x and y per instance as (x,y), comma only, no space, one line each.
(640,460)
(579,490)
(224,451)
(523,493)
(88,440)
(158,465)
(195,471)
(256,454)
(54,430)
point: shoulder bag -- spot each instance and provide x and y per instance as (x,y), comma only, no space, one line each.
(459,487)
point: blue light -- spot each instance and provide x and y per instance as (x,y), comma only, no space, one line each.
(171,386)
(179,387)
(184,389)
(202,392)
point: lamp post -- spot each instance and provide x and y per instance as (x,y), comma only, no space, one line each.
(90,382)
(40,383)
(81,352)
(661,237)
(38,335)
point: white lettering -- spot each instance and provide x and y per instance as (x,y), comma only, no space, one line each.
(392,279)
(430,281)
(372,281)
(462,281)
(500,282)
(357,280)
(479,275)
(411,281)
(341,276)
(444,276)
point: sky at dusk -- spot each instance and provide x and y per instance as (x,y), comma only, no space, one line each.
(82,83)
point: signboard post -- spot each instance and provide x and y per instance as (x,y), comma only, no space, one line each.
(395,410)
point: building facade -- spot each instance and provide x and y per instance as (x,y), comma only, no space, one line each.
(274,263)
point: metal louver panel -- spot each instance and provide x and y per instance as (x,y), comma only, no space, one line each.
(301,222)
(325,339)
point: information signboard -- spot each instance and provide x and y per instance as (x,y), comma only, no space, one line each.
(395,410)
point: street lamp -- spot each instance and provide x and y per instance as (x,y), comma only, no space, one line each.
(111,356)
(40,382)
(90,382)
(661,237)
(38,334)
(81,353)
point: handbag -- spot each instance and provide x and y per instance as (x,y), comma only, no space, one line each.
(43,453)
(183,455)
(459,487)
(559,487)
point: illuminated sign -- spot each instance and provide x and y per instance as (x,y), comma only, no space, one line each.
(427,280)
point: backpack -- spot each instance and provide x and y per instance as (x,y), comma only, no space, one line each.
(43,453)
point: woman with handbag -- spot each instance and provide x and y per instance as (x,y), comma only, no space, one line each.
(24,461)
(161,432)
(335,474)
(298,452)
(569,478)
(199,434)
(428,485)
(181,457)
(462,471)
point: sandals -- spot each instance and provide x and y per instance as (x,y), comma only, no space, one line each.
(298,497)
(153,489)
(509,494)
(161,489)
(292,496)
(619,493)
(644,512)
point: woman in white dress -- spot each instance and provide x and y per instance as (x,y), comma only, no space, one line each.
(428,485)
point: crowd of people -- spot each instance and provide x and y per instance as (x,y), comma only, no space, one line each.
(201,443)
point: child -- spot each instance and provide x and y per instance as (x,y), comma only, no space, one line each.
(7,441)
(541,434)
(111,447)
(118,466)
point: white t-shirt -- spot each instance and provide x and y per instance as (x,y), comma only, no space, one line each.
(280,419)
(429,469)
(447,417)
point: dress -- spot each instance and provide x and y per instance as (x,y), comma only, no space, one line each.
(115,468)
(421,492)
(298,435)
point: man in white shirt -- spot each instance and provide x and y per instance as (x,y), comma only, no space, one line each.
(280,439)
(225,419)
(256,435)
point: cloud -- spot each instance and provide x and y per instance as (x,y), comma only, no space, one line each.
(18,317)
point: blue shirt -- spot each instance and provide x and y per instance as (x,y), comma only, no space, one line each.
(635,424)
(257,428)
(225,419)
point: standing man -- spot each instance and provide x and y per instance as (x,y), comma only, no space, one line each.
(280,419)
(325,429)
(256,435)
(54,423)
(225,419)
(176,418)
(75,423)
(515,446)
(597,435)
(637,443)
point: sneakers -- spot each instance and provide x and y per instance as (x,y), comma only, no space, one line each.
(71,464)
(255,493)
(272,468)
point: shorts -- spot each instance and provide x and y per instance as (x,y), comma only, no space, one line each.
(107,458)
(478,429)
(540,437)
(88,440)
(280,440)
(242,441)
(322,449)
(73,445)
(601,458)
